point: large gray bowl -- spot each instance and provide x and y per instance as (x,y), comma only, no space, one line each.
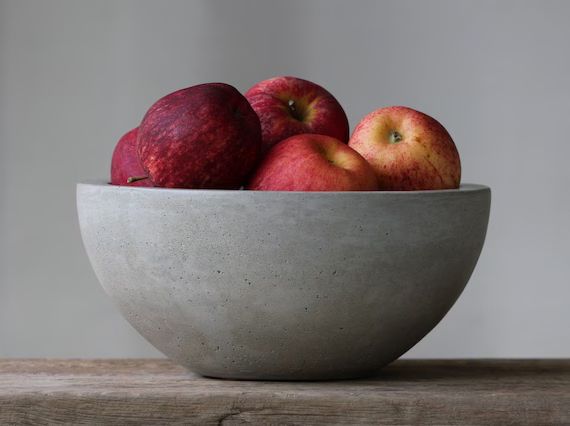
(282,285)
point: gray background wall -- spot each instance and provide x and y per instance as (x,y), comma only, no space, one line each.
(75,75)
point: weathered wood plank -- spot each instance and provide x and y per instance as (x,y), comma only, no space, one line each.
(407,392)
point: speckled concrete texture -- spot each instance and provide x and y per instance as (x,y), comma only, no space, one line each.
(282,285)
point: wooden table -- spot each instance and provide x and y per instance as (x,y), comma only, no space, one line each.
(498,392)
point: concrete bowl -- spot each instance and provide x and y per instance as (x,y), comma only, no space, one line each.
(282,285)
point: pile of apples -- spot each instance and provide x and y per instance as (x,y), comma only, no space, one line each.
(285,134)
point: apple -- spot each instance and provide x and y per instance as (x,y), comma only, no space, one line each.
(205,136)
(407,149)
(311,162)
(288,106)
(126,168)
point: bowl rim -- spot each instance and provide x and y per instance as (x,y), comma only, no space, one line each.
(103,183)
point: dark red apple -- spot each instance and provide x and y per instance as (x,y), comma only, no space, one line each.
(311,162)
(125,164)
(288,106)
(205,136)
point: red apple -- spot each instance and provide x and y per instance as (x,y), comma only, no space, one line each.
(310,162)
(205,136)
(289,106)
(125,164)
(407,149)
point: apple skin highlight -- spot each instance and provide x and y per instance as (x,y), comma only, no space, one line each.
(288,106)
(408,150)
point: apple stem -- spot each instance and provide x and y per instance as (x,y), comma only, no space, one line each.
(133,179)
(298,115)
(291,104)
(395,137)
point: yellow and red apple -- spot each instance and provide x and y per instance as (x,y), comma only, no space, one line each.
(407,149)
(311,162)
(288,106)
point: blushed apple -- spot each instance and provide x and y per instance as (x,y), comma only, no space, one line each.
(407,149)
(311,162)
(126,168)
(205,136)
(288,106)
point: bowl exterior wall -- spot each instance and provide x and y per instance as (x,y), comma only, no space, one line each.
(282,286)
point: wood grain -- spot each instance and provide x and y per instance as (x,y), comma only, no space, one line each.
(451,392)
